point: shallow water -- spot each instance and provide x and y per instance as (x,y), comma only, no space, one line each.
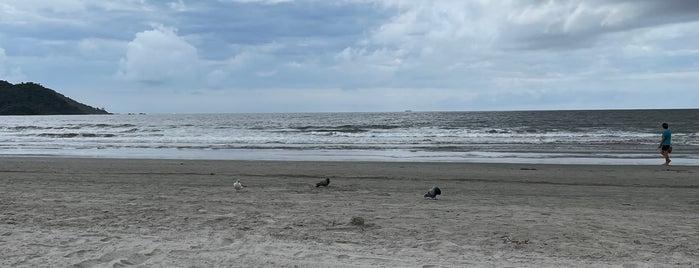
(615,137)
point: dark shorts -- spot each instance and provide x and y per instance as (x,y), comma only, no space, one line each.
(665,148)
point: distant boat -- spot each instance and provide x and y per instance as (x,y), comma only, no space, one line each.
(408,111)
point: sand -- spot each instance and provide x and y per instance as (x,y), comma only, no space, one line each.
(61,212)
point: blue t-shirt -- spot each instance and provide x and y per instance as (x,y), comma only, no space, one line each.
(668,137)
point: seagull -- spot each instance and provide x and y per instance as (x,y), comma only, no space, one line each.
(323,183)
(433,193)
(237,185)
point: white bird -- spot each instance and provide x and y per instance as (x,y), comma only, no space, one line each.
(237,185)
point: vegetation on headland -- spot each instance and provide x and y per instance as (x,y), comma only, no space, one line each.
(34,99)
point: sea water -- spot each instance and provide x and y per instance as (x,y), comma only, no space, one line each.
(578,137)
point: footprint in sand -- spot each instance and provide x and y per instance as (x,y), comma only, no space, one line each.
(118,259)
(79,253)
(226,241)
(110,238)
(133,259)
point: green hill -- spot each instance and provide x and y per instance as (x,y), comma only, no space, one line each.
(34,99)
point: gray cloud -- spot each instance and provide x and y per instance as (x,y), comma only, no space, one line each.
(386,53)
(580,24)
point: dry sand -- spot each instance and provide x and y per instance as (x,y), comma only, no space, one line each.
(59,212)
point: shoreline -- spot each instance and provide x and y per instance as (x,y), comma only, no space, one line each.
(85,212)
(368,156)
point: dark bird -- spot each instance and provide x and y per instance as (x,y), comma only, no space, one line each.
(433,193)
(323,183)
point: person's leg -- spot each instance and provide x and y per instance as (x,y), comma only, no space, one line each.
(667,157)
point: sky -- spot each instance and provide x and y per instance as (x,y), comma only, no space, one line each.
(250,56)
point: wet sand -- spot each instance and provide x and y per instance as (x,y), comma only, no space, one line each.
(62,212)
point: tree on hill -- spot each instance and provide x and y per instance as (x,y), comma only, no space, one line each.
(34,99)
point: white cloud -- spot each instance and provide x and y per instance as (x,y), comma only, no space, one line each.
(72,6)
(13,15)
(454,44)
(178,6)
(258,1)
(52,6)
(249,63)
(159,56)
(497,25)
(7,71)
(692,76)
(254,55)
(71,12)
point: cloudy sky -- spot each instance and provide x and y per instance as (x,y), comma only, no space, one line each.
(216,56)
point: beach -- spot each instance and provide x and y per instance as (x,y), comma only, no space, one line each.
(80,212)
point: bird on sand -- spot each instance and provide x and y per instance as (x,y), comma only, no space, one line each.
(433,193)
(323,183)
(237,185)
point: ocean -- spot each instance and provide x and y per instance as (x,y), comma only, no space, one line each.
(556,137)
